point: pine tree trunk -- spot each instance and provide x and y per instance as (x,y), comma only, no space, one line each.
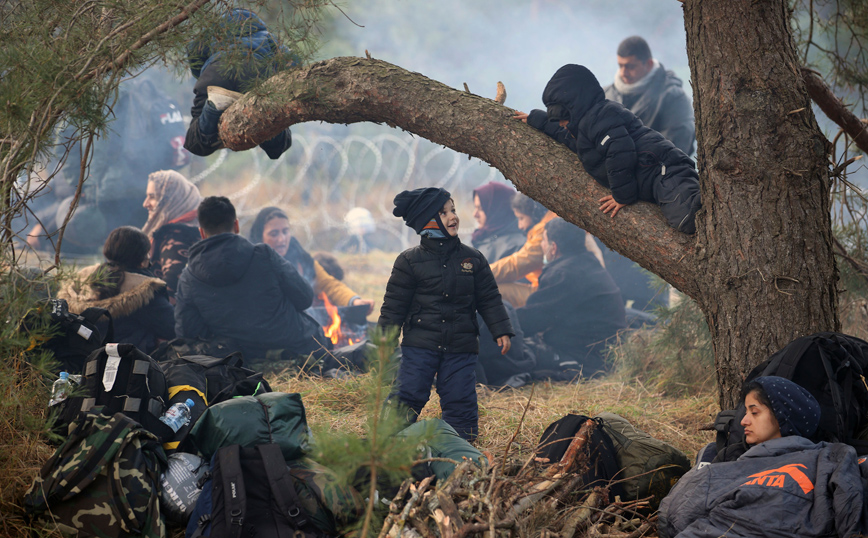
(760,265)
(766,237)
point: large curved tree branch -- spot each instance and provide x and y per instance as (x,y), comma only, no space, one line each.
(351,90)
(835,110)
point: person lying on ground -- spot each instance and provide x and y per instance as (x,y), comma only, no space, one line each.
(271,227)
(171,201)
(635,162)
(219,81)
(784,485)
(138,302)
(575,309)
(247,294)
(433,294)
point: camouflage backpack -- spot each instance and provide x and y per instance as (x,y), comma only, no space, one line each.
(102,481)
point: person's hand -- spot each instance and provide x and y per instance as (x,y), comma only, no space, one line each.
(370,303)
(520,116)
(609,204)
(33,239)
(504,343)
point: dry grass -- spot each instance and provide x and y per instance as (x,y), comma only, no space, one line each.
(335,405)
(339,405)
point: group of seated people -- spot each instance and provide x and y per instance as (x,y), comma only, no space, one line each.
(188,273)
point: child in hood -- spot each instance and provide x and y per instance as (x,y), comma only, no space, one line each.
(433,294)
(616,149)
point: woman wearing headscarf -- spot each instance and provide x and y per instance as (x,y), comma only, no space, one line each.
(137,301)
(271,227)
(171,201)
(784,485)
(498,235)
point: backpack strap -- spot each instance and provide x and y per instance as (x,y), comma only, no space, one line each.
(282,488)
(790,360)
(118,499)
(96,457)
(234,494)
(837,397)
(93,315)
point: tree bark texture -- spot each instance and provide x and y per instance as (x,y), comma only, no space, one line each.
(767,241)
(760,265)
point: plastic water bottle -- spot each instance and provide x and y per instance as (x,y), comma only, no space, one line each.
(178,415)
(60,390)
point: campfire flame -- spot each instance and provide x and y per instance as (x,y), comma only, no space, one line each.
(333,331)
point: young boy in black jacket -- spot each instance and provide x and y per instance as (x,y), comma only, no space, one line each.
(616,149)
(433,294)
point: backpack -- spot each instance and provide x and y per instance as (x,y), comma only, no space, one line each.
(122,379)
(250,492)
(77,335)
(602,465)
(207,381)
(102,481)
(648,466)
(832,367)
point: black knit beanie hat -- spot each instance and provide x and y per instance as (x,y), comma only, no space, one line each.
(419,206)
(796,409)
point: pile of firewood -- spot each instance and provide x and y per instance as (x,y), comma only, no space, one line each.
(550,502)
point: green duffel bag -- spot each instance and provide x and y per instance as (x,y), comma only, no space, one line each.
(649,467)
(272,417)
(442,442)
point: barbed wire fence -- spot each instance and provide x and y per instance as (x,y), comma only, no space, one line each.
(322,177)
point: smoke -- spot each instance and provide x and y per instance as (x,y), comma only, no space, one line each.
(519,43)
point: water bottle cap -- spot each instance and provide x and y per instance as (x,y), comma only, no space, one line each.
(190,403)
(64,375)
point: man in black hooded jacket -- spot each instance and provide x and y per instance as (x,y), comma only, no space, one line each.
(635,162)
(232,289)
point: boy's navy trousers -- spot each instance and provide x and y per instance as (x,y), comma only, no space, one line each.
(456,386)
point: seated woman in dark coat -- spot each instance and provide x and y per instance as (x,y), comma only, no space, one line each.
(271,227)
(137,301)
(784,485)
(498,235)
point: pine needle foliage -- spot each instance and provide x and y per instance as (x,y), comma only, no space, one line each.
(61,64)
(376,458)
(25,382)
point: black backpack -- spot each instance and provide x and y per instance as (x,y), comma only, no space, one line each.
(77,335)
(602,464)
(832,367)
(207,381)
(134,385)
(250,491)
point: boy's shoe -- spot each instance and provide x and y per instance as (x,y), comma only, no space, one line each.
(222,98)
